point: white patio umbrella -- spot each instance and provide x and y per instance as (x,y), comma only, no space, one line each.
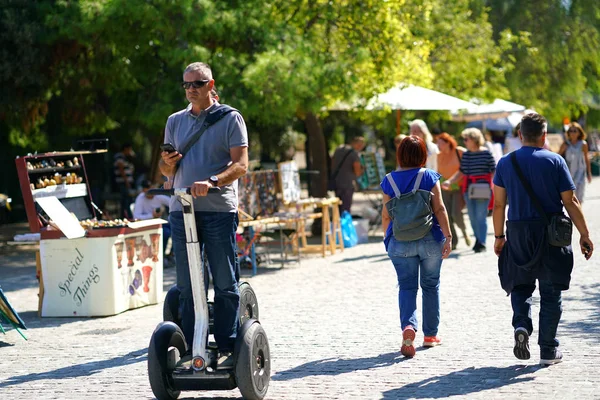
(497,109)
(416,98)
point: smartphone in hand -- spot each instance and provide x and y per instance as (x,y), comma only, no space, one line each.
(168,147)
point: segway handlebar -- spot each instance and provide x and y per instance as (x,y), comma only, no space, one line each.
(171,192)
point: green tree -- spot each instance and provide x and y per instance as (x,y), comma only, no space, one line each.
(331,51)
(466,60)
(557,66)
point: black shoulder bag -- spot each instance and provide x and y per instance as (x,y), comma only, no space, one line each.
(559,226)
(331,184)
(212,118)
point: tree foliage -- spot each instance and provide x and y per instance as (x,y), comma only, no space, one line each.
(557,67)
(113,67)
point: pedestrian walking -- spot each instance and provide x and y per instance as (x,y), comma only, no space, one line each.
(418,128)
(346,167)
(212,152)
(449,164)
(536,184)
(417,238)
(477,167)
(575,151)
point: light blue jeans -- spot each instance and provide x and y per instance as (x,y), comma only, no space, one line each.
(478,210)
(408,258)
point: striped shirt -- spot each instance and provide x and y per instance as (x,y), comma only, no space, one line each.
(121,159)
(477,163)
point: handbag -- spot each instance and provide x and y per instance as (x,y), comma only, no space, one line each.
(331,182)
(559,226)
(479,191)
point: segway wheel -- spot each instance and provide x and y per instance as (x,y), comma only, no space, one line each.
(161,380)
(253,366)
(248,303)
(171,306)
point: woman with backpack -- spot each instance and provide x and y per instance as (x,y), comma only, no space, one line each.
(417,238)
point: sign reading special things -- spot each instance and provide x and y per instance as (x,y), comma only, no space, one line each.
(101,276)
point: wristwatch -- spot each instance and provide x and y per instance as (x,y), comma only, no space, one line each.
(214,180)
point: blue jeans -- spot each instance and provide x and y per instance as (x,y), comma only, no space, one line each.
(478,209)
(550,312)
(216,236)
(166,236)
(407,257)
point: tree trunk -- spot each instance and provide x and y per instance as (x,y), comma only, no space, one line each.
(318,156)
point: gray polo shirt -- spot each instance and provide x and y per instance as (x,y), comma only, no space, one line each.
(210,155)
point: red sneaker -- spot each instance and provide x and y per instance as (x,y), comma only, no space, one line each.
(431,341)
(408,337)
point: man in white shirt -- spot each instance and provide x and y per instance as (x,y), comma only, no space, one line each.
(148,206)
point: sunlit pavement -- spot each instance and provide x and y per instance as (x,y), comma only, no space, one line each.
(334,333)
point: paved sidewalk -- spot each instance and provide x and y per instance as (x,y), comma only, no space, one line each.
(333,329)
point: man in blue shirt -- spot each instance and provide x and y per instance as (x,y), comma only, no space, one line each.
(526,255)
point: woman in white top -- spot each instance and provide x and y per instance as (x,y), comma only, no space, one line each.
(512,143)
(418,127)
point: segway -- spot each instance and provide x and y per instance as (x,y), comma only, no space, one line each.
(251,372)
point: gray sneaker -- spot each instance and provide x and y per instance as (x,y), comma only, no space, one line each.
(552,358)
(225,360)
(521,350)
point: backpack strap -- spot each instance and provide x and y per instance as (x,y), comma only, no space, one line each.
(393,184)
(418,180)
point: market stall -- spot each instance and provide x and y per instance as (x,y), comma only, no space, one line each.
(273,198)
(87,266)
(368,184)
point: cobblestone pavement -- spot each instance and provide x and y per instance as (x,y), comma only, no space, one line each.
(334,333)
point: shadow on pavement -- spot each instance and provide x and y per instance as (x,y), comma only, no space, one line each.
(211,397)
(34,321)
(17,278)
(588,328)
(75,371)
(346,260)
(464,382)
(335,366)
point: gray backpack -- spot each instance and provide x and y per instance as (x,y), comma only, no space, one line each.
(411,213)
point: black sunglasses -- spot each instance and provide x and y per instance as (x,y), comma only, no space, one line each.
(194,84)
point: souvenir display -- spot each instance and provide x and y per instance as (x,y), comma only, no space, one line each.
(374,171)
(289,178)
(99,224)
(258,193)
(105,268)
